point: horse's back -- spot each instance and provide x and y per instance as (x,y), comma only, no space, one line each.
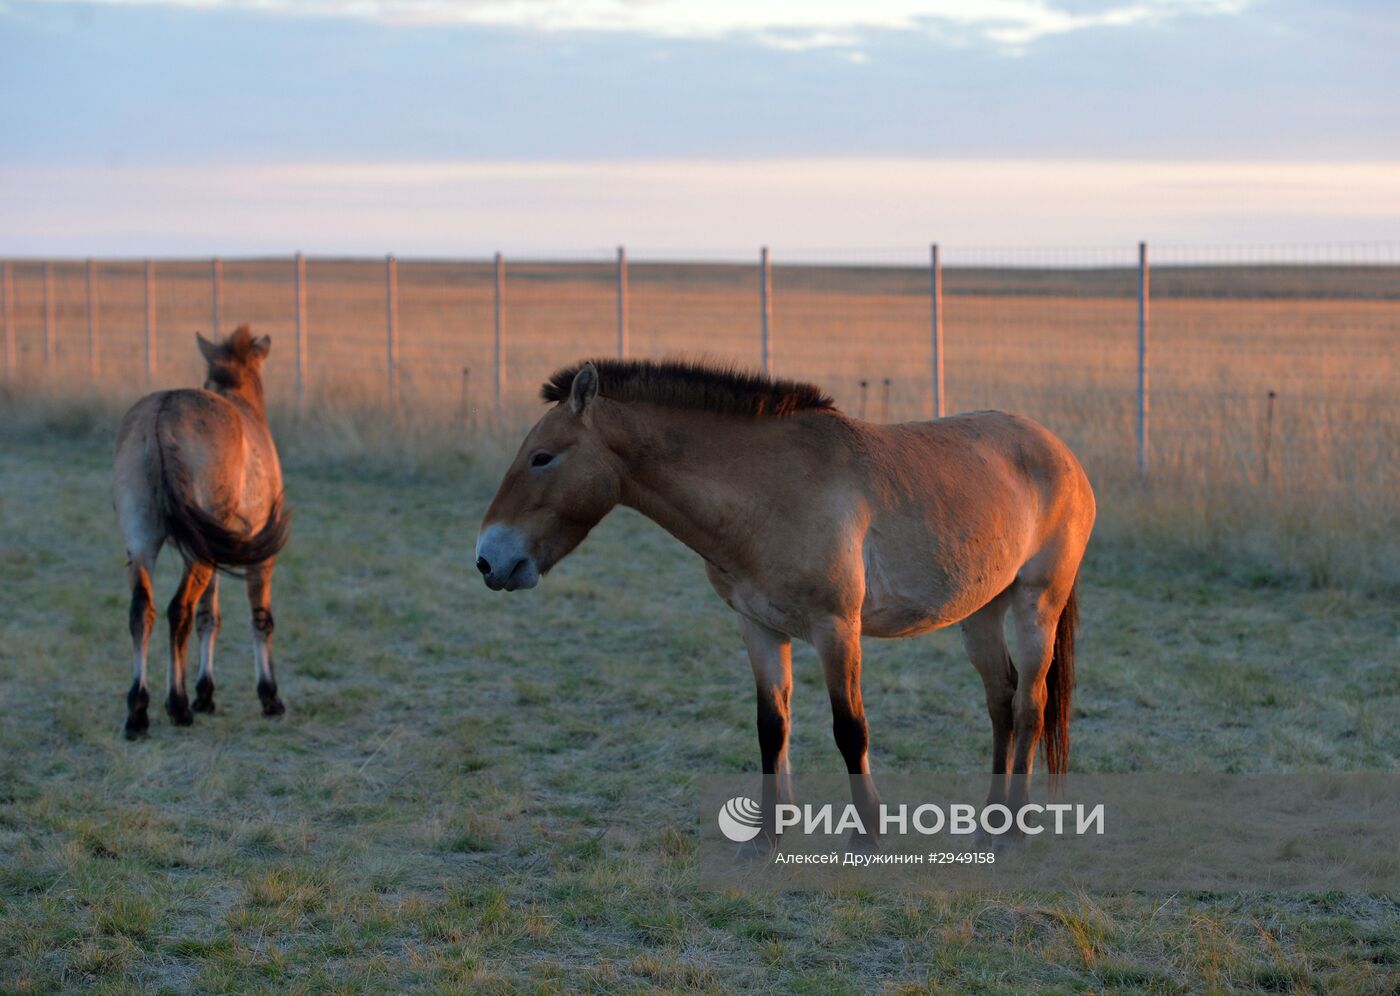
(991,448)
(959,506)
(208,431)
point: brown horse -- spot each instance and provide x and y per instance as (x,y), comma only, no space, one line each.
(199,469)
(823,528)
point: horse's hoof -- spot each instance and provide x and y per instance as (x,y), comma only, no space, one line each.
(204,696)
(267,695)
(136,726)
(179,711)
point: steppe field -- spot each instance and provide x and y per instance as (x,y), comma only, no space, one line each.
(474,791)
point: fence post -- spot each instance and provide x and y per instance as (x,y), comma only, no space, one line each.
(150,323)
(301,329)
(50,341)
(936,292)
(1144,294)
(622,302)
(216,280)
(500,350)
(765,295)
(1269,437)
(7,279)
(93,322)
(391,298)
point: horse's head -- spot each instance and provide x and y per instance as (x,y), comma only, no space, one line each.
(560,485)
(235,365)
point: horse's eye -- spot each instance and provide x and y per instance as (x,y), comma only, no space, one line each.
(541,459)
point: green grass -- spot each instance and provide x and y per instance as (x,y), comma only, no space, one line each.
(482,792)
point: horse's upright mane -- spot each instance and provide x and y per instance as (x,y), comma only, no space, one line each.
(694,385)
(239,344)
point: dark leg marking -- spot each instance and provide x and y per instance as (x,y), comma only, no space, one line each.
(852,737)
(142,615)
(772,735)
(206,623)
(267,695)
(140,619)
(137,720)
(177,702)
(203,695)
(263,626)
(177,707)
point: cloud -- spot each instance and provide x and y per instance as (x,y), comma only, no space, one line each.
(1007,25)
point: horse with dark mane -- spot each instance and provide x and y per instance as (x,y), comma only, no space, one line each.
(823,528)
(198,469)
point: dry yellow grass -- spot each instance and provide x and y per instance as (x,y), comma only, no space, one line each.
(1311,491)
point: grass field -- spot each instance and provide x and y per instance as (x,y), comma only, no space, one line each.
(475,792)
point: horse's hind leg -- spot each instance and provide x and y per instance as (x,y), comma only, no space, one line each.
(1035,610)
(260,601)
(207,626)
(984,637)
(181,614)
(141,619)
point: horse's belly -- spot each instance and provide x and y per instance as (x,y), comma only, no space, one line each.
(908,602)
(901,617)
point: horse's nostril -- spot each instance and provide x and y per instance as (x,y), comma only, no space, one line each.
(483,565)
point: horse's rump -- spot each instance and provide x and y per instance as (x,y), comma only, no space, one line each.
(196,494)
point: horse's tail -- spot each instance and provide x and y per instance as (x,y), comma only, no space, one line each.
(1059,689)
(199,536)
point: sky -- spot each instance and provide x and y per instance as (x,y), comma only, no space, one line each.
(433,127)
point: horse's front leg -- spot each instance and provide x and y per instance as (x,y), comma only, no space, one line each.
(770,654)
(839,648)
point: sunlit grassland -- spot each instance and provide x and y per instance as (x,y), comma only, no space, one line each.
(481,792)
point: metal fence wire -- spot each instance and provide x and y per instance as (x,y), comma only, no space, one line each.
(1151,359)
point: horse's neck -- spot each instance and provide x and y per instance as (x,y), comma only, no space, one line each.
(248,398)
(680,473)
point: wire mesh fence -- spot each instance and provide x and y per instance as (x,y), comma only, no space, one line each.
(1264,360)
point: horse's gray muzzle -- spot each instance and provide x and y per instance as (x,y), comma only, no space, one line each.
(503,561)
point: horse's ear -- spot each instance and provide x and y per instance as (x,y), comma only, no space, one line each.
(209,350)
(262,345)
(584,389)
